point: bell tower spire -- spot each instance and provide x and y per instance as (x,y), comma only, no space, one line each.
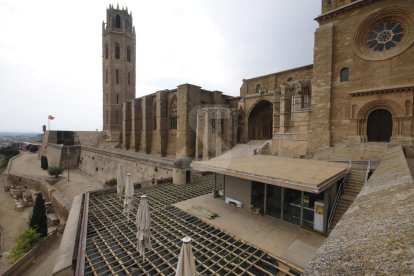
(118,68)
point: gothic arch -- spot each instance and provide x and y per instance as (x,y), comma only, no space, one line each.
(396,111)
(260,120)
(154,113)
(173,113)
(391,106)
(117,23)
(258,88)
(240,123)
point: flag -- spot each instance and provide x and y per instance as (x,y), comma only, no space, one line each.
(50,117)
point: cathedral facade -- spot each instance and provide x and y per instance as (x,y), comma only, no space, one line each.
(358,89)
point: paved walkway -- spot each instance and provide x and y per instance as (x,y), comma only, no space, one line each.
(279,238)
(29,164)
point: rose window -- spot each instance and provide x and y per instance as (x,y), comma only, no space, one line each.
(385,36)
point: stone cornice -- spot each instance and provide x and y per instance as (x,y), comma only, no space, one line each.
(344,9)
(385,90)
(308,67)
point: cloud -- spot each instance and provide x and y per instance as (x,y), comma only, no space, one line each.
(51,59)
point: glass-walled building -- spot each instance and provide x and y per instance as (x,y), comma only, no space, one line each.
(296,191)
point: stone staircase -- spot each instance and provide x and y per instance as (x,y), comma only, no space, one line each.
(353,186)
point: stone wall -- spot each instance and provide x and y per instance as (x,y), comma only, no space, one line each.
(239,189)
(377,79)
(24,263)
(354,151)
(103,165)
(89,138)
(272,82)
(375,235)
(60,203)
(147,125)
(57,156)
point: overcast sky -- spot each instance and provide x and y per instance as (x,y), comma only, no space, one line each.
(51,52)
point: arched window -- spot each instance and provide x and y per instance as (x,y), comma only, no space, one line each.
(106,76)
(117,21)
(292,102)
(116,117)
(129,54)
(107,117)
(106,51)
(117,98)
(129,78)
(127,26)
(306,95)
(258,88)
(117,51)
(260,121)
(173,113)
(117,76)
(213,124)
(344,74)
(154,114)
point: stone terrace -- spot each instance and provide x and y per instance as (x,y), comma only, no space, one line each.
(111,238)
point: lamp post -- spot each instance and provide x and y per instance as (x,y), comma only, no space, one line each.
(68,154)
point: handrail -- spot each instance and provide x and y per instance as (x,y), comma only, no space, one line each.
(338,194)
(368,170)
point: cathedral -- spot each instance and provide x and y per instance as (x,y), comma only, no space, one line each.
(327,147)
(358,89)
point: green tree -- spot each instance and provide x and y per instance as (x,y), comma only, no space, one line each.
(55,171)
(24,242)
(9,152)
(39,218)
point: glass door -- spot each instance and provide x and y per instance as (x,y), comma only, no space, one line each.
(274,201)
(292,206)
(258,196)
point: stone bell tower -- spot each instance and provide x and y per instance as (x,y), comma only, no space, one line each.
(118,68)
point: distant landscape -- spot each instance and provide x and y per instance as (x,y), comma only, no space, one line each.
(7,138)
(19,134)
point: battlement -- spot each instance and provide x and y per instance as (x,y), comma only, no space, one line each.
(119,20)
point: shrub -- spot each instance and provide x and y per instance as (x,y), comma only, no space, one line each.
(39,217)
(9,152)
(111,183)
(24,242)
(32,148)
(55,171)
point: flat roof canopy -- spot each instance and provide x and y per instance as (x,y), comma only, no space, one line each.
(312,176)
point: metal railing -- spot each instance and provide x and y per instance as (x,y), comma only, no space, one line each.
(368,171)
(338,194)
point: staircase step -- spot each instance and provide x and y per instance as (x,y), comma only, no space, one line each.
(348,198)
(354,184)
